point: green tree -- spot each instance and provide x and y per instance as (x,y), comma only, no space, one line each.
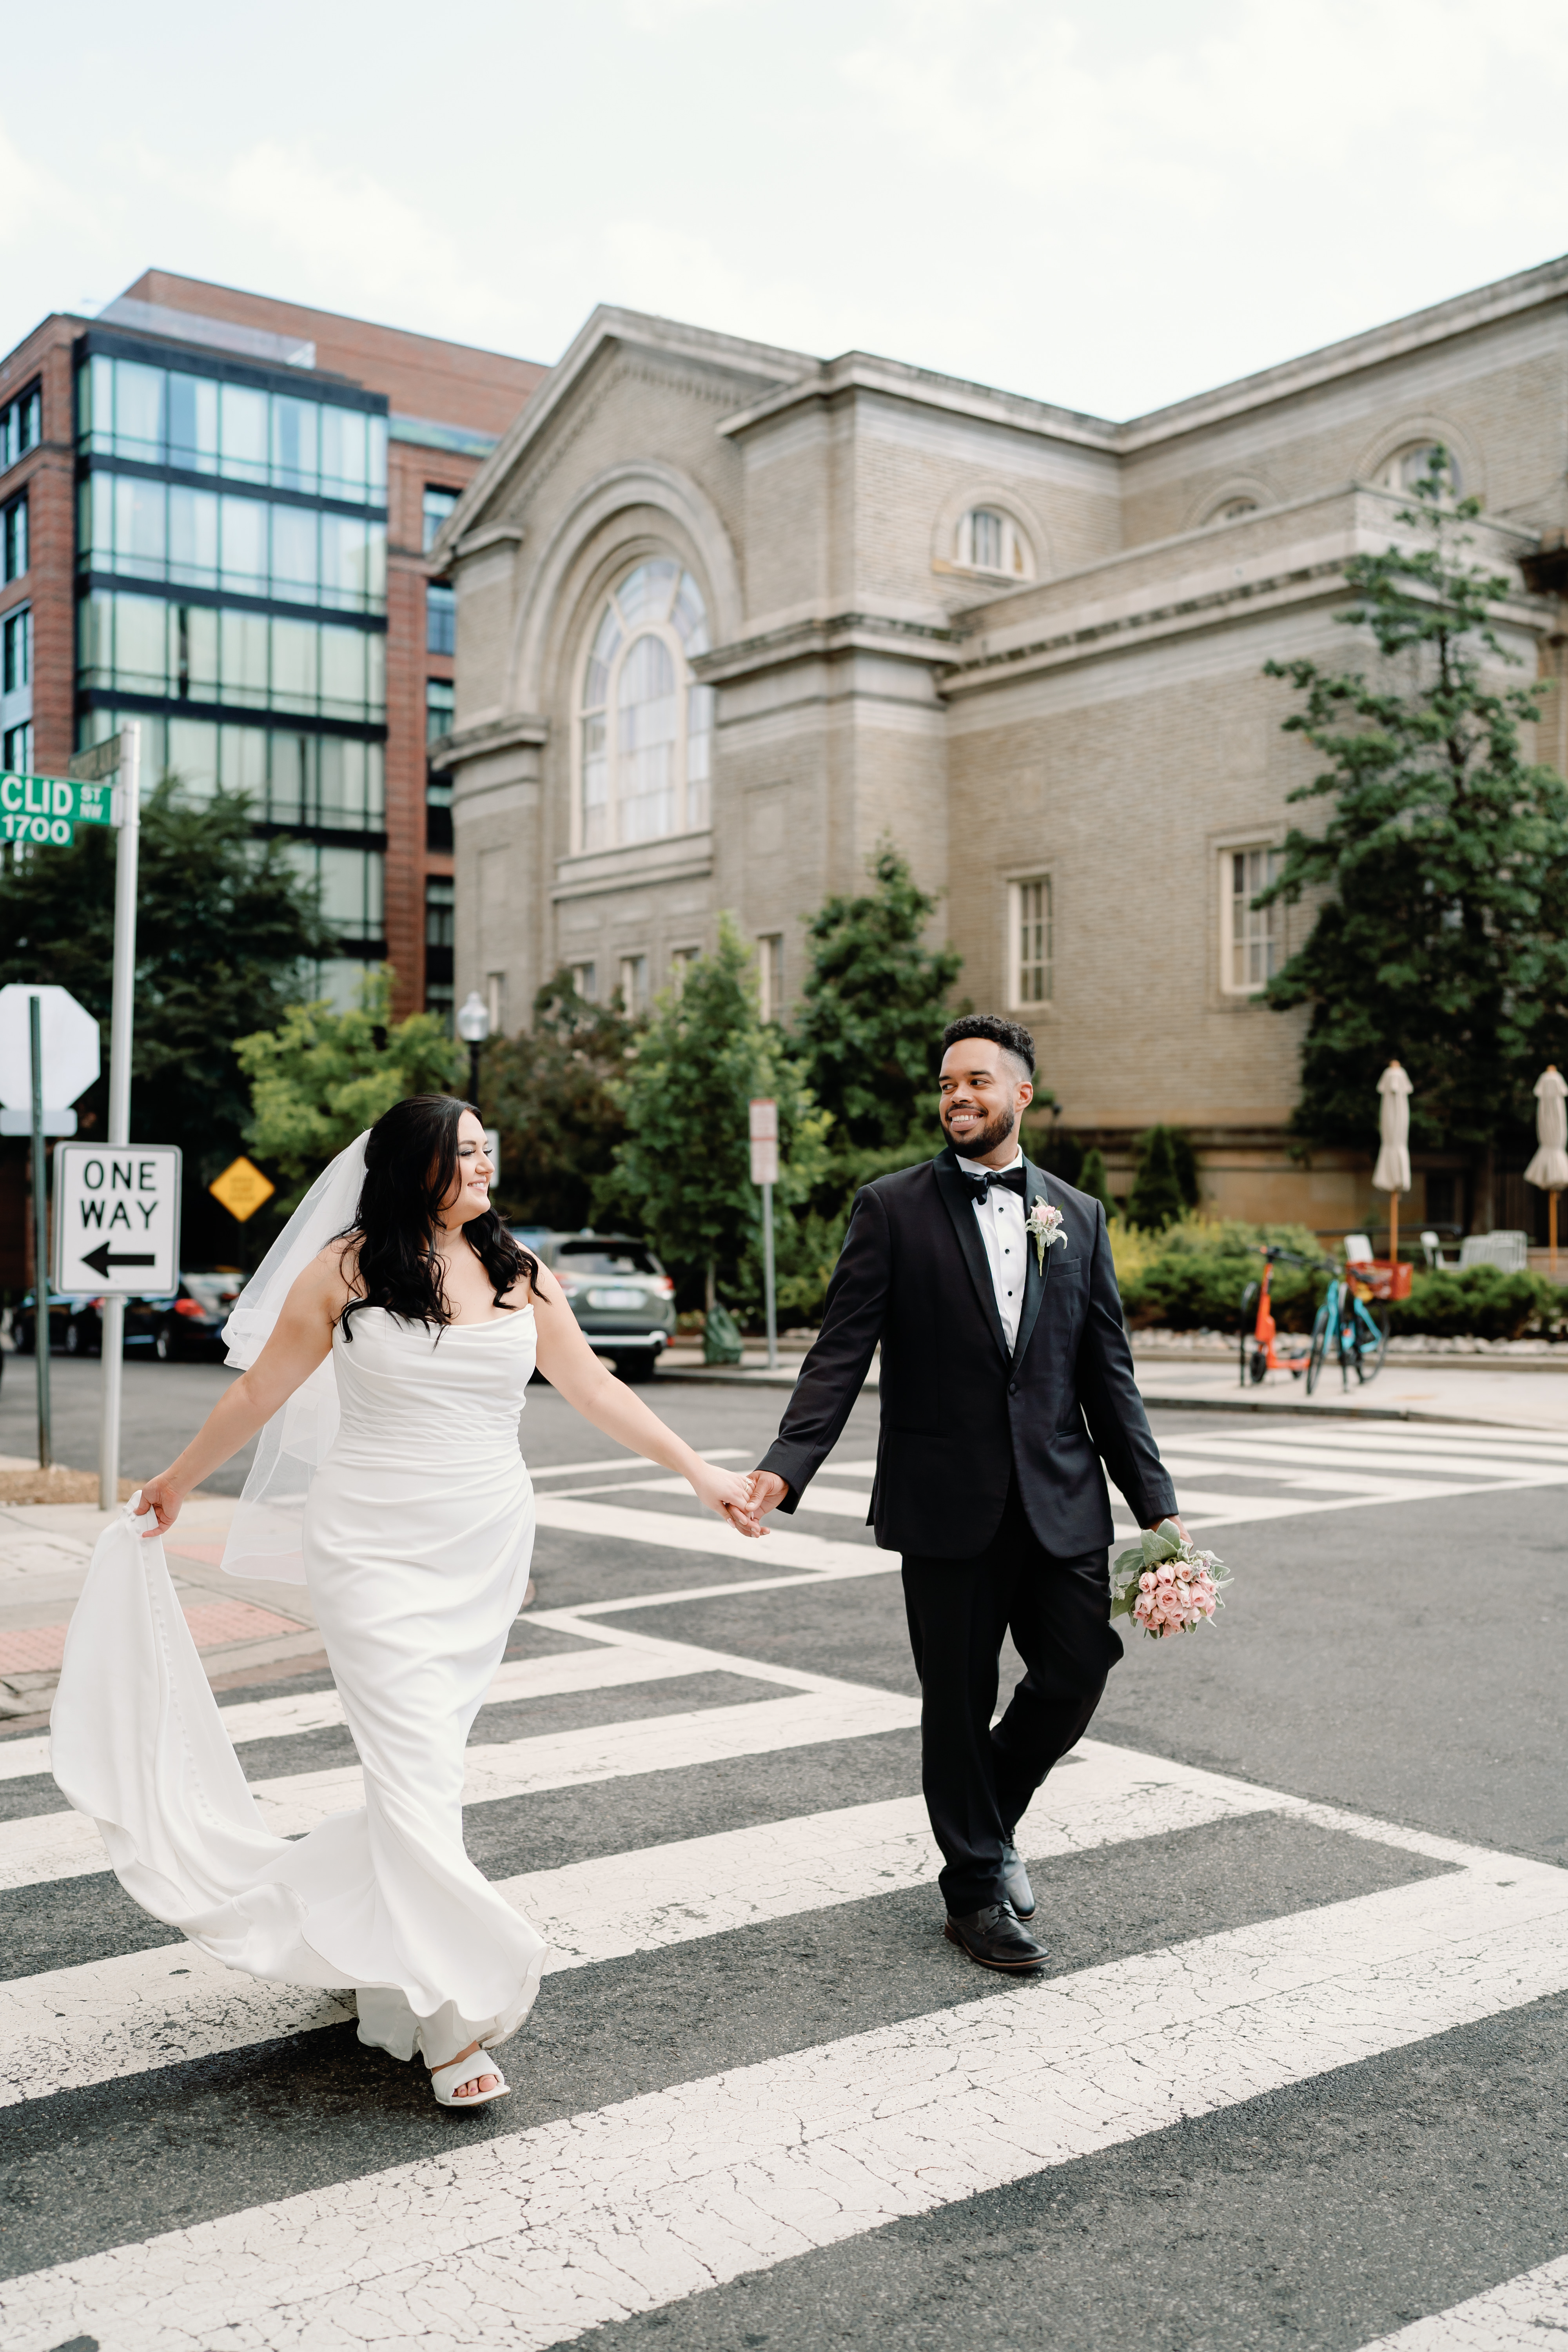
(553,1093)
(223,924)
(1094,1179)
(871,1013)
(1441,934)
(1156,1199)
(683,1175)
(321,1076)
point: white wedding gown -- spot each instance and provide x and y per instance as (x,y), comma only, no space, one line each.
(418,1537)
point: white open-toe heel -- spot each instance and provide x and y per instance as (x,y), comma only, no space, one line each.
(446,2080)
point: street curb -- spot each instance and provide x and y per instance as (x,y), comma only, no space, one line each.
(1243,1403)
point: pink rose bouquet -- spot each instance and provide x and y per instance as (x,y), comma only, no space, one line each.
(1165,1584)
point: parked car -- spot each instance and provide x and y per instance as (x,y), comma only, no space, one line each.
(186,1322)
(619,1291)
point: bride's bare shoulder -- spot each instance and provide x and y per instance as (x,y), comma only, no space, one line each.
(333,1273)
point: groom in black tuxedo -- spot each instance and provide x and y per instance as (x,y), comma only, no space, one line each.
(1005,1384)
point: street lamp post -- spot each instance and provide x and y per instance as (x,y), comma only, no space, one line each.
(473,1028)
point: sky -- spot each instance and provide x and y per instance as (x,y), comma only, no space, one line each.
(1106,205)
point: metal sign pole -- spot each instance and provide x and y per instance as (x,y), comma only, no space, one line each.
(768,1277)
(120,1018)
(40,1235)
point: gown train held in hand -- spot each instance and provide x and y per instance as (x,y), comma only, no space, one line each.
(418,1537)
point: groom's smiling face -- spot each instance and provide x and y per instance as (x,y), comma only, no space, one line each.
(981,1093)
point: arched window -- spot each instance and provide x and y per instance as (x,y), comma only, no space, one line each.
(1408,467)
(1233,510)
(645,725)
(990,541)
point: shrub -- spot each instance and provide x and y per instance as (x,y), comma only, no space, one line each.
(1091,1178)
(1155,1200)
(1193,1274)
(1481,1302)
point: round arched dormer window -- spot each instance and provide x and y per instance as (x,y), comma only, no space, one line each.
(645,724)
(1409,467)
(1234,509)
(989,540)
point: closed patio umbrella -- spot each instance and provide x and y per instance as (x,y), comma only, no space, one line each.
(1392,1175)
(1548,1171)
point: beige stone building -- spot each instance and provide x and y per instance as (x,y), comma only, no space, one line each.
(728,615)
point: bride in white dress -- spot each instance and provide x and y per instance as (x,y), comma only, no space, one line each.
(416,1538)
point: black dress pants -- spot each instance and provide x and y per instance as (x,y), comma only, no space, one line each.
(977,1781)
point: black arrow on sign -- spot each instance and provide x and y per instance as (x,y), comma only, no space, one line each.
(101,1260)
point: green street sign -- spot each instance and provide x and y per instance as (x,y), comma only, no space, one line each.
(48,809)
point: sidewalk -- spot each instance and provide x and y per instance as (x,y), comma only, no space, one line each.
(1433,1388)
(242,1630)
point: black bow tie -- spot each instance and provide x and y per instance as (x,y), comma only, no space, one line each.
(1011,1179)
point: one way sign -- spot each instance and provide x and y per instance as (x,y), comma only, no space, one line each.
(116,1218)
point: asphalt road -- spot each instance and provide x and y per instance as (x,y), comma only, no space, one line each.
(1394,1654)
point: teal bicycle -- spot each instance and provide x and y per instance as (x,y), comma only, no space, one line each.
(1346,1323)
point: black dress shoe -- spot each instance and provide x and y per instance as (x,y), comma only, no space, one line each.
(996,1937)
(1016,1882)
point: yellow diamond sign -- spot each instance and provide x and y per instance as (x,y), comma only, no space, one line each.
(242,1189)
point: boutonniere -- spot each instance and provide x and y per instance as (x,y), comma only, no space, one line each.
(1046,1224)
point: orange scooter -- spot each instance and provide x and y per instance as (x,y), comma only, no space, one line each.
(1259,1352)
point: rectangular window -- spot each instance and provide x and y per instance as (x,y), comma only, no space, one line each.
(1250,936)
(17,651)
(634,983)
(128,408)
(16,749)
(437,811)
(1030,944)
(585,980)
(21,426)
(438,505)
(440,618)
(495,1001)
(680,962)
(13,539)
(440,910)
(771,974)
(440,707)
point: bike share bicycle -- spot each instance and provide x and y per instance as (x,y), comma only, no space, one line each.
(1344,1321)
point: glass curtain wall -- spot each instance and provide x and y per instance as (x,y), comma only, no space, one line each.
(231,561)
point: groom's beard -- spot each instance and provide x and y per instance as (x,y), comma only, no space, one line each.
(976,1148)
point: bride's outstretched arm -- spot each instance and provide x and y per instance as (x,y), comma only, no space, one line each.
(302,1339)
(570,1365)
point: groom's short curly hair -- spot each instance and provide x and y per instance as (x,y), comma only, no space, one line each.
(1010,1035)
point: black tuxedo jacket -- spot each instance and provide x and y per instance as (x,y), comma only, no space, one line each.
(960,1413)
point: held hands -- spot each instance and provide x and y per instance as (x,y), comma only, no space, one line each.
(163,1498)
(767,1492)
(727,1493)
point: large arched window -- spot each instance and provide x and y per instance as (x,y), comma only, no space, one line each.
(646,723)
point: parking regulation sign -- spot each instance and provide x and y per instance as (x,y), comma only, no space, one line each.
(116,1218)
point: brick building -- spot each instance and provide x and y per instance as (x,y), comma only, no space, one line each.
(215,511)
(727,615)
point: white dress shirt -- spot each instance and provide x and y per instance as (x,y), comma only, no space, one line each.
(1001,1215)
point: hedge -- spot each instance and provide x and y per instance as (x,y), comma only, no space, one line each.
(1193,1277)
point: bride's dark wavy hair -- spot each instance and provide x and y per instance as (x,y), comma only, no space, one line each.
(410,1165)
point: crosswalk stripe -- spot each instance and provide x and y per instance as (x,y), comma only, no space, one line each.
(531,2238)
(601,1667)
(614,1523)
(1242,1453)
(105,2019)
(44,1846)
(1522,2315)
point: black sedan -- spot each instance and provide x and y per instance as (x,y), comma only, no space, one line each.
(188,1322)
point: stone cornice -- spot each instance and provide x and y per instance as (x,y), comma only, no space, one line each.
(1505,298)
(521,730)
(1276,585)
(831,380)
(839,633)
